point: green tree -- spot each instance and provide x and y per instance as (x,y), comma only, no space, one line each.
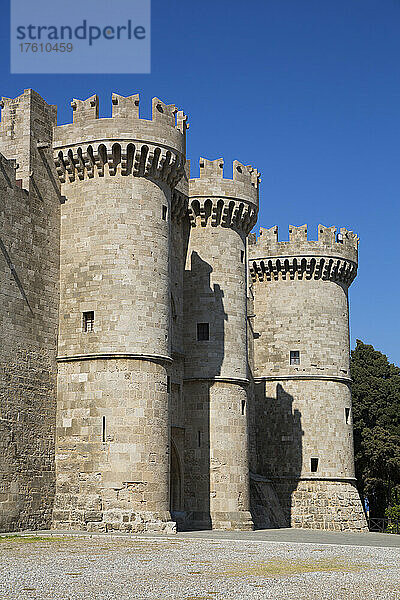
(376,419)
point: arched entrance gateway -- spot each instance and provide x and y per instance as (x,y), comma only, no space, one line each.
(175,481)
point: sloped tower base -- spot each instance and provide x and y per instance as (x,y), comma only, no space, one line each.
(326,505)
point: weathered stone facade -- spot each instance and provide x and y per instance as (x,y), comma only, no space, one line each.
(29,275)
(126,283)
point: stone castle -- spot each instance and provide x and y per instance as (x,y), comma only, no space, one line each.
(160,364)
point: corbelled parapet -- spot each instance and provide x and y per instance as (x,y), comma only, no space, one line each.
(222,201)
(333,256)
(126,144)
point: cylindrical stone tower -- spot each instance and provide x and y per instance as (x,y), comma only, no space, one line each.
(222,212)
(302,374)
(118,177)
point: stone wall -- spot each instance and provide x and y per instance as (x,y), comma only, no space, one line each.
(29,270)
(112,446)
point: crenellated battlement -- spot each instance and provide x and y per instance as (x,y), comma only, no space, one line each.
(85,109)
(222,201)
(167,127)
(333,256)
(127,107)
(244,184)
(214,169)
(124,143)
(267,244)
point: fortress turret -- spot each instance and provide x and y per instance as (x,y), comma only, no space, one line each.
(222,212)
(119,178)
(302,373)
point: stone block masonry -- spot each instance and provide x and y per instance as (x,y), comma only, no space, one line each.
(155,354)
(29,290)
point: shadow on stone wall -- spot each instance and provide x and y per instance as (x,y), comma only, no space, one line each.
(204,304)
(279,450)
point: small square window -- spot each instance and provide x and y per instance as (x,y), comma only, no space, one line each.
(88,321)
(164,212)
(203,332)
(294,357)
(314,465)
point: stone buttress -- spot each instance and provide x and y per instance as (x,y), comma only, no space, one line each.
(302,374)
(222,212)
(118,176)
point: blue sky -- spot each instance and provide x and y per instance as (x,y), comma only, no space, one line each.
(308,91)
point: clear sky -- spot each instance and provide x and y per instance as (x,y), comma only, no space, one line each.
(308,91)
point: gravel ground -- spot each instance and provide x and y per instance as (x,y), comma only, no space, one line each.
(134,568)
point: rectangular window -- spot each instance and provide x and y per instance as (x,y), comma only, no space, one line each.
(294,357)
(347,415)
(88,321)
(314,465)
(203,332)
(164,212)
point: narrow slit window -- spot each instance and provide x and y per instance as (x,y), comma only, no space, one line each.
(199,438)
(314,465)
(347,415)
(103,429)
(174,314)
(168,384)
(88,321)
(243,407)
(164,212)
(294,357)
(242,256)
(203,332)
